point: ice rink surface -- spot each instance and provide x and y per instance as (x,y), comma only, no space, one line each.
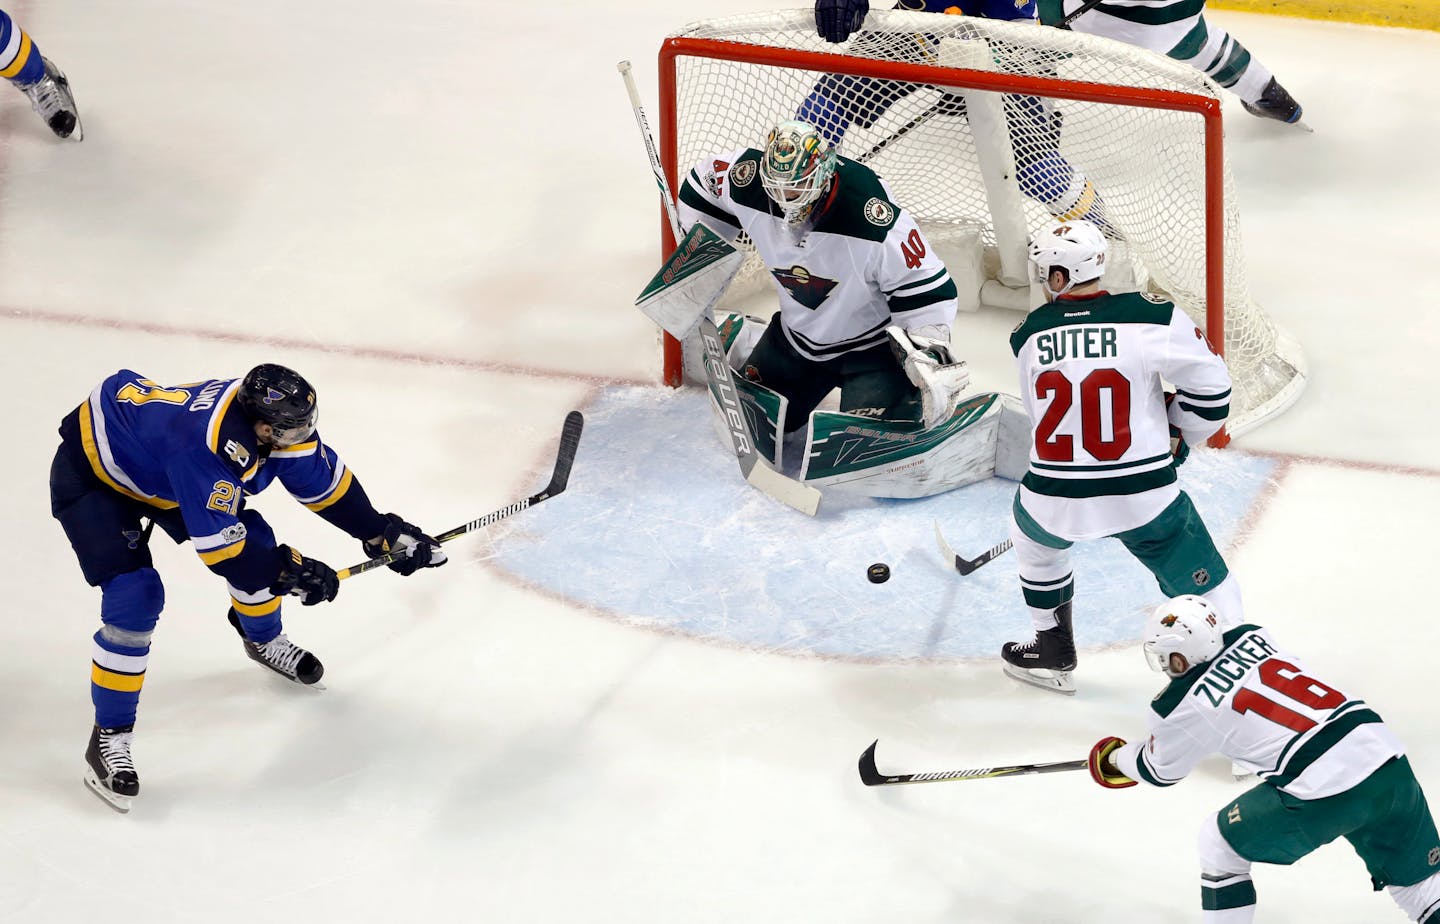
(440,213)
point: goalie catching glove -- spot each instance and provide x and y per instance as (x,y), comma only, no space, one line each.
(930,365)
(1103,769)
(424,552)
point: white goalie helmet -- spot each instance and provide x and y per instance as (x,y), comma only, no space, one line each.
(1078,247)
(1186,625)
(796,167)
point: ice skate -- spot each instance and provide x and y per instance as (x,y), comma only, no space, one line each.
(283,657)
(1048,660)
(111,774)
(50,96)
(1276,103)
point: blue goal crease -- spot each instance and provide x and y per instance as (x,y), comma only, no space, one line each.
(658,528)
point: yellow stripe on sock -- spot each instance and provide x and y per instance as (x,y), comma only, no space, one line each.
(22,57)
(255,610)
(120,683)
(1087,199)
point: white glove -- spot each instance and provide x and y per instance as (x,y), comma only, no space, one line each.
(930,365)
(934,339)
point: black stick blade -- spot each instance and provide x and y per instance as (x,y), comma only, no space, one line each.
(869,775)
(565,458)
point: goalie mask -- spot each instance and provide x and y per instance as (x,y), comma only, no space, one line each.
(795,168)
(1187,626)
(1077,247)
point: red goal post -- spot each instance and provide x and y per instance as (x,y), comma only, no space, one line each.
(722,81)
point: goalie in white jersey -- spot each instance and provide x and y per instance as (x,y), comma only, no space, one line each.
(1105,442)
(1330,766)
(848,263)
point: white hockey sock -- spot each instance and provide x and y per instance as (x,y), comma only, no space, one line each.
(1226,893)
(1420,901)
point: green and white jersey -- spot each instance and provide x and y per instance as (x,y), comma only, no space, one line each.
(857,266)
(1090,376)
(1257,705)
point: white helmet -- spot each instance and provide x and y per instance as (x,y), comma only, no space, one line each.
(1078,247)
(796,167)
(1188,626)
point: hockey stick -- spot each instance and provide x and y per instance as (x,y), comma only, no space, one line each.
(564,459)
(624,68)
(755,470)
(966,565)
(940,107)
(1081,10)
(870,776)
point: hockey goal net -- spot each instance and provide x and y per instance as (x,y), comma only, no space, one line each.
(917,97)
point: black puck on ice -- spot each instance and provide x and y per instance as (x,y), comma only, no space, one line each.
(878,573)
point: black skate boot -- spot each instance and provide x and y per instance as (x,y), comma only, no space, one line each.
(282,656)
(1049,659)
(111,774)
(50,96)
(1275,103)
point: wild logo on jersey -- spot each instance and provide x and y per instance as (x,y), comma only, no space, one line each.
(810,291)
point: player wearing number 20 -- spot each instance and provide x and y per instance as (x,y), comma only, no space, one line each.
(1330,767)
(184,458)
(1106,440)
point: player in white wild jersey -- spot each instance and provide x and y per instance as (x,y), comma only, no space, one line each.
(1330,767)
(1105,442)
(1178,30)
(847,262)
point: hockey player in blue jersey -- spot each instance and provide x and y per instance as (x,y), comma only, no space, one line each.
(39,79)
(1041,171)
(184,458)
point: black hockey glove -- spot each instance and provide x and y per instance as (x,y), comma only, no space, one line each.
(310,579)
(425,551)
(1178,447)
(836,19)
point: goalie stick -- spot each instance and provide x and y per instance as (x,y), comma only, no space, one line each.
(564,460)
(966,565)
(755,469)
(870,776)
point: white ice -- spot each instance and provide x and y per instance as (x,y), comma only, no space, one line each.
(440,212)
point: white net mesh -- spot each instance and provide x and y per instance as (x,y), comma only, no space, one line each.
(1145,164)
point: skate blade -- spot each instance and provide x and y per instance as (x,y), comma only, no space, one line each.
(116,801)
(1062,682)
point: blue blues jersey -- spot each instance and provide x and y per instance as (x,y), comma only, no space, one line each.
(986,9)
(193,447)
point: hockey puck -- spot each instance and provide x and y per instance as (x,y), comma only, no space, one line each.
(878,573)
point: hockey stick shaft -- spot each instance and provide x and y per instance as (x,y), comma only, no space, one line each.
(755,470)
(665,195)
(559,479)
(870,776)
(967,565)
(1084,8)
